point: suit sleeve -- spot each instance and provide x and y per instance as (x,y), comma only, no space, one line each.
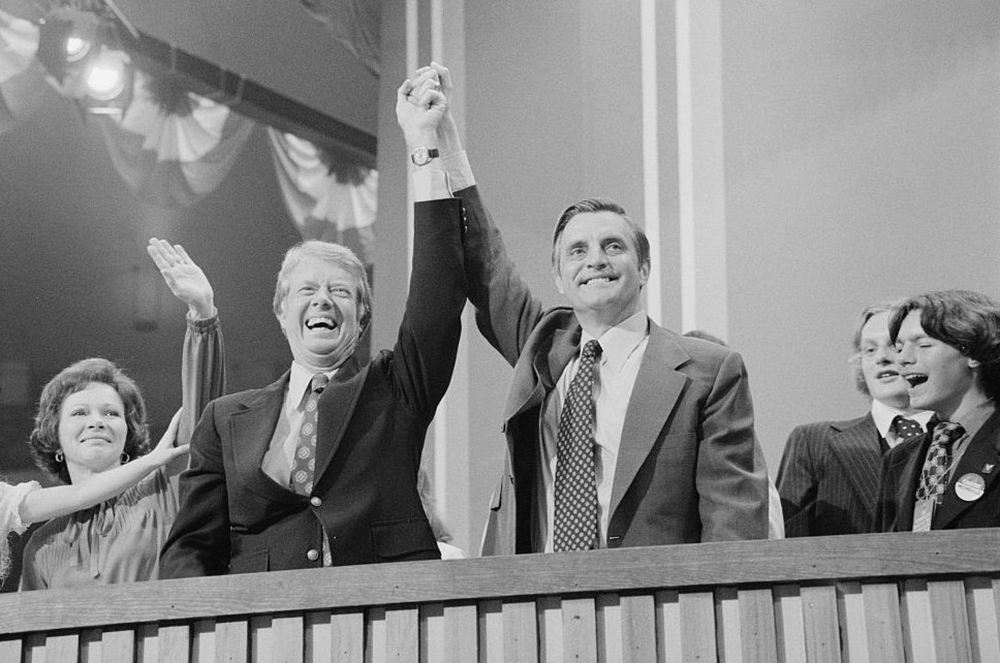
(506,311)
(424,357)
(731,477)
(199,543)
(798,484)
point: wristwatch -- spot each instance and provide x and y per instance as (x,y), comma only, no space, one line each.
(423,155)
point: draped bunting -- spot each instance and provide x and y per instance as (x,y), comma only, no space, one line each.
(324,201)
(356,24)
(172,147)
(173,159)
(22,79)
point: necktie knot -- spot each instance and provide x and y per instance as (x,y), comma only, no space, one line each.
(591,351)
(318,383)
(905,428)
(947,433)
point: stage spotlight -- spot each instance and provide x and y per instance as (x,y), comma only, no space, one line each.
(82,52)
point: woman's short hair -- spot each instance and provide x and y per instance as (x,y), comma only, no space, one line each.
(44,439)
(967,321)
(335,254)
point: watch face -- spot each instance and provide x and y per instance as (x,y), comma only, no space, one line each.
(420,156)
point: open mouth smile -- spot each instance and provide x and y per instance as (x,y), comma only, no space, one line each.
(320,323)
(915,379)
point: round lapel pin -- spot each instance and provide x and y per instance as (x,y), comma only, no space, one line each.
(970,487)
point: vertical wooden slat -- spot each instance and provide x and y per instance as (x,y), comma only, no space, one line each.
(550,629)
(983,621)
(915,613)
(202,641)
(347,636)
(34,648)
(819,619)
(401,642)
(638,629)
(118,645)
(64,648)
(10,650)
(375,641)
(950,619)
(231,641)
(461,639)
(431,629)
(697,610)
(520,632)
(579,630)
(728,638)
(491,631)
(608,628)
(757,628)
(317,640)
(883,623)
(668,626)
(91,647)
(789,625)
(288,639)
(147,643)
(851,613)
(261,639)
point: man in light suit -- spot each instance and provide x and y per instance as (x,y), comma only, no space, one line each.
(246,505)
(949,354)
(829,473)
(675,457)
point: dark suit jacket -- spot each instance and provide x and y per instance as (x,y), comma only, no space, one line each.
(689,468)
(828,478)
(233,518)
(901,476)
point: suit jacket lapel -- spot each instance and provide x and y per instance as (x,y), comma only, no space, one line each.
(858,449)
(336,405)
(532,380)
(657,388)
(983,449)
(251,430)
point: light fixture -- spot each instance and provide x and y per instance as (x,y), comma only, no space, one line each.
(82,51)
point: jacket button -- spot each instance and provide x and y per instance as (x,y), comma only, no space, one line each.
(315,501)
(312,555)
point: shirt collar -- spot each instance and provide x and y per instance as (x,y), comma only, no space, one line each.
(620,341)
(300,379)
(883,415)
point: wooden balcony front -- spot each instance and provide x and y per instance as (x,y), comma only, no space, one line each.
(884,597)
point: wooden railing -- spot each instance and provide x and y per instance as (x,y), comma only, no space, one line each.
(884,597)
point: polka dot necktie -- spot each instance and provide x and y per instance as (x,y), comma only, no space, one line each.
(304,466)
(934,477)
(906,429)
(575,485)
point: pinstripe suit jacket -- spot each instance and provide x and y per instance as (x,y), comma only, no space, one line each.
(829,478)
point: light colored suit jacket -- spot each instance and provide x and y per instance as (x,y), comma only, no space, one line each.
(689,467)
(829,476)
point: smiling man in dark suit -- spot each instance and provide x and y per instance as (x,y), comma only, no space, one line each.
(618,432)
(320,468)
(949,353)
(829,473)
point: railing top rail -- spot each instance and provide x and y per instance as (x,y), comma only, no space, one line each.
(793,561)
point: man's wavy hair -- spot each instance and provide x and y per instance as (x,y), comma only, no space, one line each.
(335,254)
(967,321)
(44,439)
(639,238)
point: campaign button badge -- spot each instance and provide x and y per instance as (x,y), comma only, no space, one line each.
(970,487)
